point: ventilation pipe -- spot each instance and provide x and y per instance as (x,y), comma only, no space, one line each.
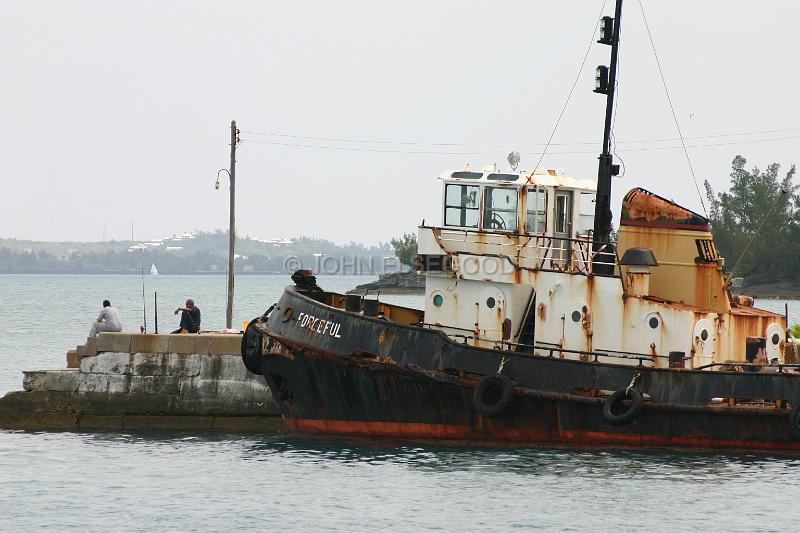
(636,264)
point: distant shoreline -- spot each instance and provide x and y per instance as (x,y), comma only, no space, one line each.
(172,273)
(763,291)
(772,291)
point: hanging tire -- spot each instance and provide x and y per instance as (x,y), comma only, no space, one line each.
(492,395)
(617,412)
(252,348)
(794,422)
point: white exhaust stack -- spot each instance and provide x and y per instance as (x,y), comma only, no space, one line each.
(636,264)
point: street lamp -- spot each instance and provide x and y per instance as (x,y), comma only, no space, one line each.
(232,227)
(231,246)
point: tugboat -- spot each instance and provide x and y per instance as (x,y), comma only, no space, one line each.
(539,328)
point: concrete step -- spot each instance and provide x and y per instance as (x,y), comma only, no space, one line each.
(114,342)
(73,361)
(88,349)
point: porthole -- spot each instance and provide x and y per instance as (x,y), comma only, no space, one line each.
(653,322)
(576,316)
(704,335)
(287,315)
(438,300)
(490,302)
(776,339)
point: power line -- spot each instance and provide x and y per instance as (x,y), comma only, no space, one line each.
(341,139)
(739,134)
(472,153)
(506,145)
(363,149)
(707,145)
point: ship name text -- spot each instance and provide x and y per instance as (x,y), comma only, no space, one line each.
(319,325)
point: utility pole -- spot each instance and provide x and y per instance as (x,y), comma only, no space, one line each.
(605,83)
(232,227)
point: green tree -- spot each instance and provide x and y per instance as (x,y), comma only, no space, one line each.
(757,197)
(405,248)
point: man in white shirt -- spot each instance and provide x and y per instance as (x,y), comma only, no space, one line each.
(107,321)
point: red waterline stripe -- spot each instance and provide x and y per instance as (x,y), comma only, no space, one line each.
(665,225)
(502,435)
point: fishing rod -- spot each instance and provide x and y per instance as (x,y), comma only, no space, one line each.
(143,328)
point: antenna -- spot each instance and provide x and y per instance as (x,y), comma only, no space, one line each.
(513,160)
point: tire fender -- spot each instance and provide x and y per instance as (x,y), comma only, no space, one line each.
(492,395)
(630,412)
(252,348)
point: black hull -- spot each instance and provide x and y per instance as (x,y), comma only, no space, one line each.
(420,385)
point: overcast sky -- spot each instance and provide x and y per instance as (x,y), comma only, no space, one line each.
(114,111)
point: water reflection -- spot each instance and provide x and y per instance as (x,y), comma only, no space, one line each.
(558,462)
(226,481)
(555,463)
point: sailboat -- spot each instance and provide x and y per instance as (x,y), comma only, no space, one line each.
(153,270)
(539,328)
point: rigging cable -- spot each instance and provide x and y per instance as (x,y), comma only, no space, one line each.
(613,137)
(672,108)
(572,90)
(783,192)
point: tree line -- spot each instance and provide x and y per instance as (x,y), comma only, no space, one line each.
(205,253)
(756,223)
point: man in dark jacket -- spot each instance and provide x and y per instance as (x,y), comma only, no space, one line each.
(190,318)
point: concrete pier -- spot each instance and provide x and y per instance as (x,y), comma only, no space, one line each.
(124,381)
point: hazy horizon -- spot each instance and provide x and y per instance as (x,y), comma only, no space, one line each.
(225,231)
(348,111)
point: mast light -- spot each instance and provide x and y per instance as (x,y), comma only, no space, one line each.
(606,31)
(601,80)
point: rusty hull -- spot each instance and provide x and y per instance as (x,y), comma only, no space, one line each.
(321,393)
(394,380)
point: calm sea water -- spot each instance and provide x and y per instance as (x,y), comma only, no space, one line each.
(155,481)
(43,316)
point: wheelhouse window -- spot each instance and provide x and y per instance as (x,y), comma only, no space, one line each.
(461,205)
(586,216)
(503,177)
(536,221)
(500,208)
(466,175)
(563,213)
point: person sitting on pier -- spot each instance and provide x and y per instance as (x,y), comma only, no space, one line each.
(190,318)
(108,320)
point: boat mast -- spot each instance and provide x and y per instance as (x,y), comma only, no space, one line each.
(605,83)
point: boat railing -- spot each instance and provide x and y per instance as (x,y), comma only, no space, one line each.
(745,366)
(595,356)
(530,350)
(532,252)
(440,326)
(554,350)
